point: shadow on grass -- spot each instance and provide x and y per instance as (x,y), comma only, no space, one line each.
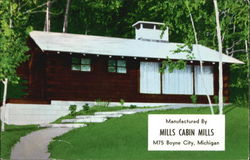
(9,129)
(228,109)
(12,128)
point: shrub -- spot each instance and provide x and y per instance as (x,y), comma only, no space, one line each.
(132,106)
(122,102)
(241,101)
(194,99)
(216,99)
(106,104)
(85,107)
(99,102)
(72,109)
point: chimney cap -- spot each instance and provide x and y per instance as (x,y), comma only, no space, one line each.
(147,22)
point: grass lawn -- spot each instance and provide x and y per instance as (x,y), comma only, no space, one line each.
(11,136)
(126,138)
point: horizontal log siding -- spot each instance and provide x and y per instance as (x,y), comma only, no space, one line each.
(64,84)
(50,77)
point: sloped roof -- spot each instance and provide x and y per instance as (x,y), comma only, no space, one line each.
(76,43)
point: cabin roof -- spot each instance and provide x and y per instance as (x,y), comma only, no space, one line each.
(110,46)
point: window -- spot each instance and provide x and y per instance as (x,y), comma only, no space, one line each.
(150,78)
(183,82)
(204,84)
(178,81)
(81,64)
(117,66)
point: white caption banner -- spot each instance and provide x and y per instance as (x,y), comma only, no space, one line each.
(186,132)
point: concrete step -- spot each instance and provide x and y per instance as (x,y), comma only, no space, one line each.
(63,125)
(126,112)
(111,115)
(99,116)
(107,113)
(90,116)
(91,120)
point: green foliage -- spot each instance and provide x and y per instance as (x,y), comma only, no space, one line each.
(238,72)
(216,99)
(92,17)
(186,48)
(194,99)
(13,35)
(12,47)
(237,93)
(132,106)
(72,109)
(99,102)
(14,90)
(172,65)
(85,107)
(122,102)
(242,101)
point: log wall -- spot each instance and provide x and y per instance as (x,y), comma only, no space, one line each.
(50,78)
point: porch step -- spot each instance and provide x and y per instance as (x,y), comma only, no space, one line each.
(99,116)
(108,113)
(126,112)
(63,125)
(89,116)
(87,119)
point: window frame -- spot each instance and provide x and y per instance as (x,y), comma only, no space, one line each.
(81,64)
(116,66)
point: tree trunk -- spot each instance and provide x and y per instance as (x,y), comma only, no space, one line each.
(47,17)
(248,64)
(10,20)
(5,82)
(65,23)
(220,57)
(200,60)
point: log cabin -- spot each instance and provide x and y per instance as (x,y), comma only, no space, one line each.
(75,67)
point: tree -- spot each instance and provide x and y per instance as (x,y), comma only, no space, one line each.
(198,51)
(220,57)
(95,17)
(47,17)
(65,22)
(13,43)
